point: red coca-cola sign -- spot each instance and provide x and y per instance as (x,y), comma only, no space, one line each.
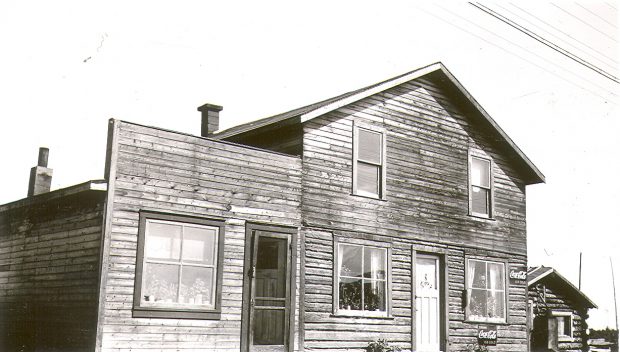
(518,275)
(487,336)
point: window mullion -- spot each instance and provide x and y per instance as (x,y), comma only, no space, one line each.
(362,266)
(180,263)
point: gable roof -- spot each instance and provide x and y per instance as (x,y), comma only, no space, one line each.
(537,274)
(308,112)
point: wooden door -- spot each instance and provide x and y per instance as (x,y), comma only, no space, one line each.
(270,301)
(428,303)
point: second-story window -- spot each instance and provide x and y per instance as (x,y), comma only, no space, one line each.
(480,187)
(368,163)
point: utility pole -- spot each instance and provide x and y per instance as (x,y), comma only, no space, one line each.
(580,253)
(613,281)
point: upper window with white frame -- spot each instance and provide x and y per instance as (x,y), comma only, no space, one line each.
(480,187)
(362,280)
(486,291)
(369,162)
(178,271)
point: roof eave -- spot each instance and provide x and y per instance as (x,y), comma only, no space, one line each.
(93,185)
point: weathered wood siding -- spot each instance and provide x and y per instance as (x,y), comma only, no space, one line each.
(551,297)
(428,138)
(181,174)
(49,261)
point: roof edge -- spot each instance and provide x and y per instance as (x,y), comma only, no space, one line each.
(565,280)
(92,185)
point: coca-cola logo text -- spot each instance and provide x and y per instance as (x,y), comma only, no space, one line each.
(518,275)
(487,334)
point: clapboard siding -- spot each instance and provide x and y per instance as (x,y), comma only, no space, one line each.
(181,174)
(426,203)
(49,262)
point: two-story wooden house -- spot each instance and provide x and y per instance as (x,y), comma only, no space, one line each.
(396,212)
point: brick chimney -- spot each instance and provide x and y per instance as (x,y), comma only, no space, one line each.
(40,175)
(210,119)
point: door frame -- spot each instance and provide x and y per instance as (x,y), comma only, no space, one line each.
(250,228)
(441,254)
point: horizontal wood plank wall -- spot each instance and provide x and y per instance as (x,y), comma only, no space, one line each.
(557,301)
(180,174)
(428,139)
(49,255)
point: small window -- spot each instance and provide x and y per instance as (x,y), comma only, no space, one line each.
(564,324)
(480,189)
(362,280)
(486,291)
(178,271)
(368,165)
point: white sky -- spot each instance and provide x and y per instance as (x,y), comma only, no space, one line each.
(66,68)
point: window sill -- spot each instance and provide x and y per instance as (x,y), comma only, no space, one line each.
(565,338)
(485,322)
(382,199)
(141,312)
(481,217)
(368,315)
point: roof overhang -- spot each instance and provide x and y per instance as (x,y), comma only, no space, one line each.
(94,185)
(550,273)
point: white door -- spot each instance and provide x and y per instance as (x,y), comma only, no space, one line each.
(427,302)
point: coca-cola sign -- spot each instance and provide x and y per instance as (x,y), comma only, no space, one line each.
(518,275)
(487,336)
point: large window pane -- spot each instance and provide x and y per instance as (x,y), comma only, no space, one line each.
(374,295)
(480,200)
(271,267)
(368,178)
(199,244)
(369,146)
(478,303)
(197,286)
(478,274)
(374,263)
(496,305)
(350,293)
(163,241)
(160,283)
(480,173)
(350,260)
(495,273)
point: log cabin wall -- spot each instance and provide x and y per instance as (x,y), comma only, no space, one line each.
(426,204)
(49,262)
(550,297)
(174,173)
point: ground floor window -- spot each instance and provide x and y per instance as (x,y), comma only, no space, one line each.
(486,291)
(564,324)
(362,279)
(178,267)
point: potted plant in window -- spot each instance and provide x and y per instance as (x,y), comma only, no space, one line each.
(381,345)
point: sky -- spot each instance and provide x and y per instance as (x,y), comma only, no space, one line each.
(67,67)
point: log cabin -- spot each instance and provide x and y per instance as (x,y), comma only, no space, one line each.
(394,212)
(557,312)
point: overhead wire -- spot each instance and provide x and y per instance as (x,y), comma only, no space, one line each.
(609,62)
(609,99)
(602,19)
(610,5)
(546,42)
(584,22)
(566,34)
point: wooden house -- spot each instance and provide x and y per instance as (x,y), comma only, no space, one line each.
(557,312)
(396,212)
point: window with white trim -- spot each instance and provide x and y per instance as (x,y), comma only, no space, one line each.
(369,162)
(480,187)
(178,271)
(564,324)
(362,279)
(486,291)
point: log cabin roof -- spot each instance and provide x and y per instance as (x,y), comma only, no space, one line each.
(438,71)
(541,274)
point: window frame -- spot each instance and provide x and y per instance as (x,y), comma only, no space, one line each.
(563,314)
(491,196)
(141,311)
(467,298)
(382,167)
(336,311)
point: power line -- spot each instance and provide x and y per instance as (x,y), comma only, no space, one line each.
(517,55)
(609,62)
(584,22)
(610,5)
(546,42)
(566,34)
(604,20)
